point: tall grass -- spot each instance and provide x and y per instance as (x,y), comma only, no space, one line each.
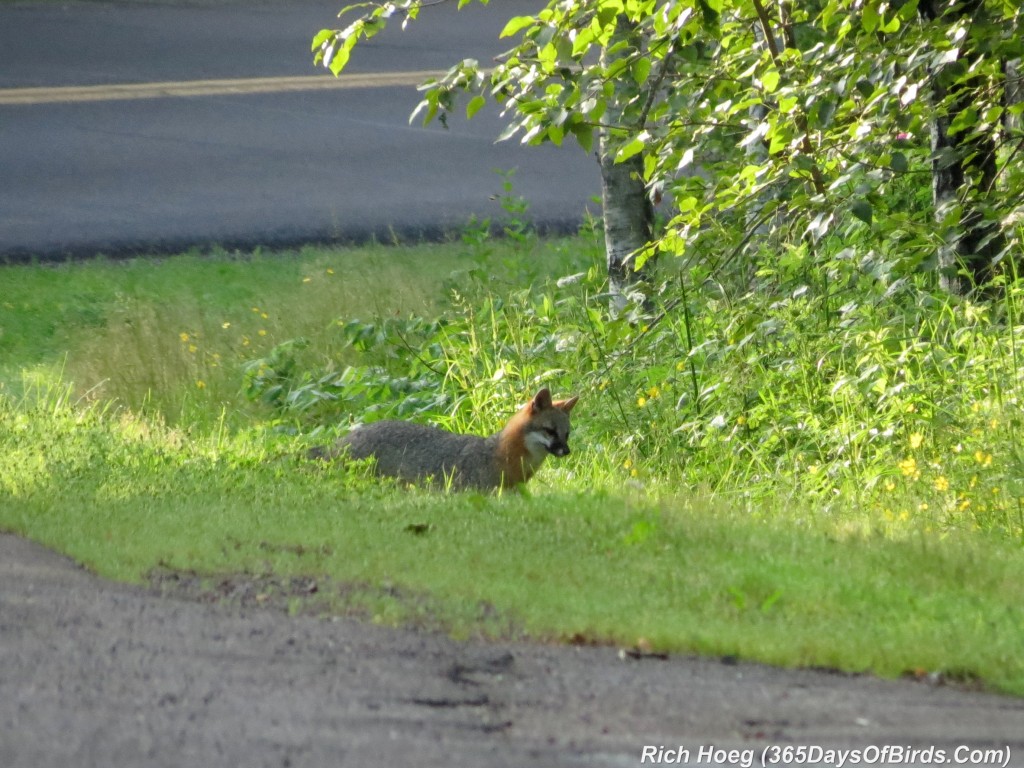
(880,406)
(169,337)
(896,411)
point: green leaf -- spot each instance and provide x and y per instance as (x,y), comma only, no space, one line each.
(777,142)
(891,26)
(634,147)
(584,133)
(641,70)
(430,104)
(339,60)
(515,24)
(787,104)
(964,120)
(870,17)
(862,209)
(770,80)
(322,37)
(584,38)
(899,162)
(474,106)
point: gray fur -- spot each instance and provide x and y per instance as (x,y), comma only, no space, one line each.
(417,452)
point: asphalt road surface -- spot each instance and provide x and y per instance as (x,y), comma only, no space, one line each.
(100,674)
(147,155)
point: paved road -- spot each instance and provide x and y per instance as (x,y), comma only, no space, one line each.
(101,674)
(164,173)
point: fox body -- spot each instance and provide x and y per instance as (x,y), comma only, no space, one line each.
(416,452)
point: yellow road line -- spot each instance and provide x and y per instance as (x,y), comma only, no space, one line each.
(119,92)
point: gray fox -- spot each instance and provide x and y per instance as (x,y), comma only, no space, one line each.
(417,452)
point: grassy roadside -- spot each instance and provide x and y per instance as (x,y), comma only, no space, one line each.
(567,563)
(124,442)
(169,336)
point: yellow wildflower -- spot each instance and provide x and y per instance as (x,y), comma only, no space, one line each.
(200,384)
(908,467)
(916,439)
(184,337)
(941,483)
(641,401)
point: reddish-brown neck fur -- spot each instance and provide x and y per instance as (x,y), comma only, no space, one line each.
(513,458)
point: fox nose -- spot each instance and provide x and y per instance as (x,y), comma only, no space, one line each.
(561,450)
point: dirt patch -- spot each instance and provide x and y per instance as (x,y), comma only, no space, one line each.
(96,673)
(325,598)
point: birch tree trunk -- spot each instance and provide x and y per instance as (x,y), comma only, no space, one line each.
(628,211)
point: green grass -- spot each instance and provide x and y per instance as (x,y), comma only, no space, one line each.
(586,566)
(169,336)
(742,499)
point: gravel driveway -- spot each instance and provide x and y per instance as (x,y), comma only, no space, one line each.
(102,674)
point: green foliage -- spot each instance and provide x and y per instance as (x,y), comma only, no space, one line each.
(803,347)
(369,388)
(858,394)
(782,121)
(170,339)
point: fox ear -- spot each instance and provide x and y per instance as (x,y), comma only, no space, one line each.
(566,405)
(542,400)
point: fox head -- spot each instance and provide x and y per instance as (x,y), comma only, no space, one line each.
(547,425)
